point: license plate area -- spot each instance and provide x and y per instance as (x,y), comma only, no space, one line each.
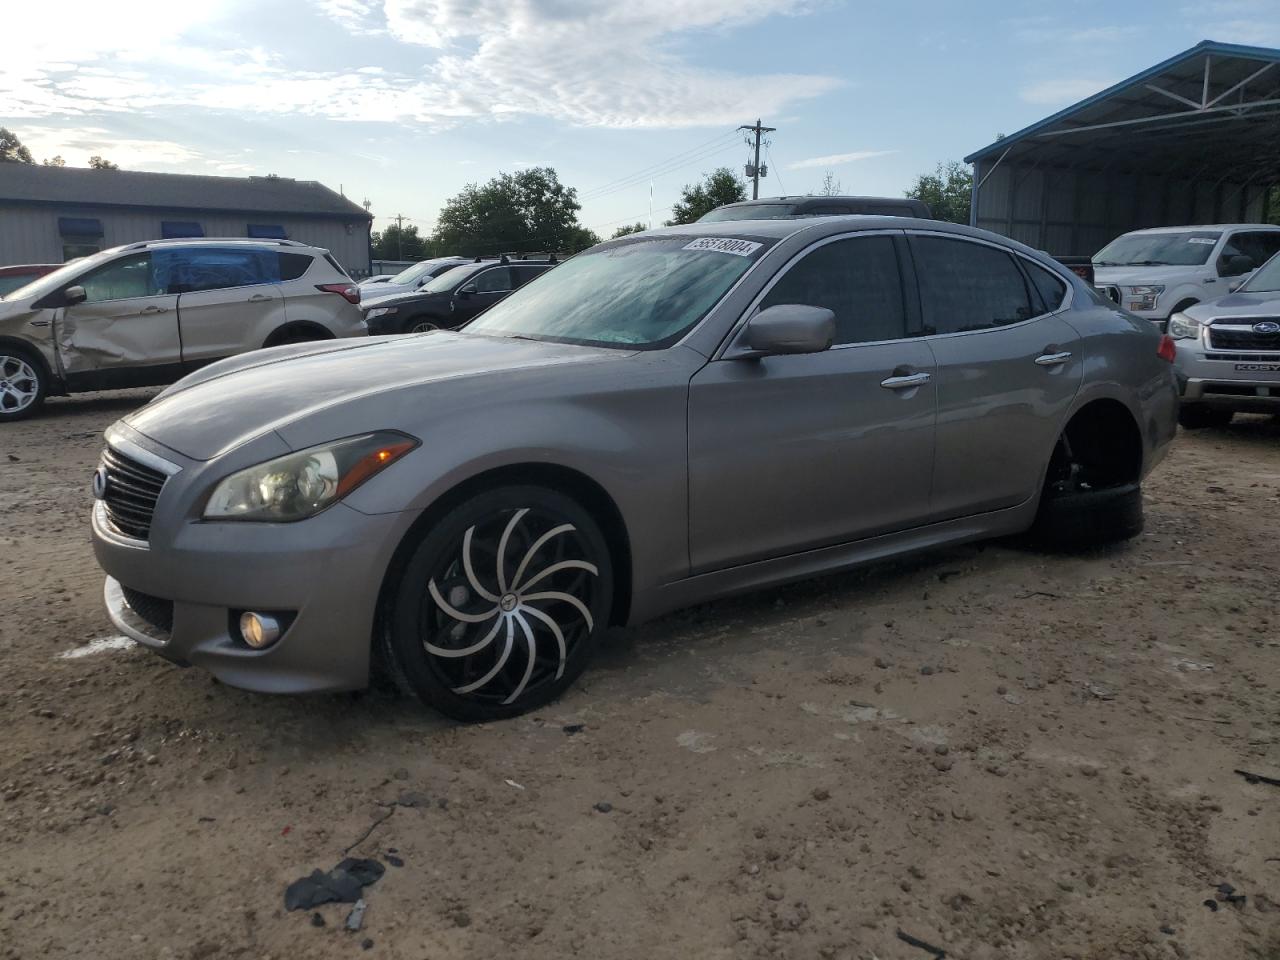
(1258,367)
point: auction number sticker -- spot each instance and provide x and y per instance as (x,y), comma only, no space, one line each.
(739,248)
(1206,240)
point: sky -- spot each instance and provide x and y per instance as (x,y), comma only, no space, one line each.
(404,102)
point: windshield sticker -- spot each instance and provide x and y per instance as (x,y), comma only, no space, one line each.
(1201,240)
(739,248)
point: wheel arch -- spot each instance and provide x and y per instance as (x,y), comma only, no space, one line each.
(586,491)
(56,386)
(1106,430)
(280,334)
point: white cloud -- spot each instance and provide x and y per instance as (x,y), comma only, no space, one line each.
(77,144)
(838,159)
(581,62)
(1065,90)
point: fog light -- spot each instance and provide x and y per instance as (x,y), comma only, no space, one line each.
(259,629)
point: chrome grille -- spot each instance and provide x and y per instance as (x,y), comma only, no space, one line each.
(1243,337)
(131,493)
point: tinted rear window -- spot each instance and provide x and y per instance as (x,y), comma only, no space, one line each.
(752,211)
(968,286)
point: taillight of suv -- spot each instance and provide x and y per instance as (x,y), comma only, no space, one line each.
(349,291)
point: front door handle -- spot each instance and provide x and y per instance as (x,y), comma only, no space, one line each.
(259,298)
(152,309)
(1053,359)
(906,381)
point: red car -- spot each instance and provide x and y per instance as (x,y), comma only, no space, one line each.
(11,278)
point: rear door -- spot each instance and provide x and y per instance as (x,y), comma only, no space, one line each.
(125,331)
(229,299)
(789,453)
(1008,370)
(484,290)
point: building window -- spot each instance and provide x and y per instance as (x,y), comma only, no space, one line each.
(267,231)
(80,227)
(74,249)
(176,229)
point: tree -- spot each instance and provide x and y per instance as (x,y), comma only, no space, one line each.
(947,191)
(55,161)
(11,148)
(629,229)
(831,187)
(395,243)
(522,212)
(100,163)
(717,188)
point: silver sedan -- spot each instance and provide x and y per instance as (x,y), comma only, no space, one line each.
(667,418)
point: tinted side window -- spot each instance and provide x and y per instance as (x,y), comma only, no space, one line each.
(497,280)
(968,286)
(213,268)
(121,279)
(523,275)
(858,280)
(293,265)
(1052,289)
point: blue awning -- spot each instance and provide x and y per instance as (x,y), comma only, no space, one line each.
(79,227)
(174,229)
(267,231)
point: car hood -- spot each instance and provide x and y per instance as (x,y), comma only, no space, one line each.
(1244,304)
(1140,276)
(397,299)
(234,401)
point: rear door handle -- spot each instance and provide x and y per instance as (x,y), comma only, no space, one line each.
(259,298)
(1053,359)
(906,382)
(153,309)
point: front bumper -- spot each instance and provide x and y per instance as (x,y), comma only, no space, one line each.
(180,595)
(1209,376)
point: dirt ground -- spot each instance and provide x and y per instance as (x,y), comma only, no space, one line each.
(1000,753)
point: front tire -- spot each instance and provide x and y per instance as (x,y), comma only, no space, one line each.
(420,324)
(23,383)
(1197,416)
(501,604)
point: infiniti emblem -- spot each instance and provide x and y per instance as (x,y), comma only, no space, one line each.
(1266,326)
(99,483)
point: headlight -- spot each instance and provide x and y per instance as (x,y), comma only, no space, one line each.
(298,485)
(379,312)
(1182,327)
(1144,297)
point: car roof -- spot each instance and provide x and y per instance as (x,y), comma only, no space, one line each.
(806,199)
(1206,226)
(780,229)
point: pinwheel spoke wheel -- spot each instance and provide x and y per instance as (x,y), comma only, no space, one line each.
(504,611)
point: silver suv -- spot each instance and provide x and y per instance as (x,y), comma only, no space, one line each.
(148,313)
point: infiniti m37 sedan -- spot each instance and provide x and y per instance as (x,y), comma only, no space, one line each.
(667,418)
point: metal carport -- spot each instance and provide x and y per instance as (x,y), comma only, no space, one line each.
(1195,139)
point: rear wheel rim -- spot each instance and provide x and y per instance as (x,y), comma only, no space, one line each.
(19,384)
(422,326)
(508,604)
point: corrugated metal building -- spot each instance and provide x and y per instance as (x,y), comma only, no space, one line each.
(1195,139)
(52,214)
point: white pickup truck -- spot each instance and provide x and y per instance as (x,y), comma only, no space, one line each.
(1158,272)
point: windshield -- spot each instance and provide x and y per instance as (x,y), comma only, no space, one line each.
(1266,279)
(451,278)
(1159,249)
(754,211)
(52,281)
(643,294)
(410,274)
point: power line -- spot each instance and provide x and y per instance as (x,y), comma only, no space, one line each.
(769,153)
(652,169)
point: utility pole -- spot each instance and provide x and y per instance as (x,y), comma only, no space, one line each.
(400,236)
(754,170)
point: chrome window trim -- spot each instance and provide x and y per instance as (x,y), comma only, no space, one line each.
(732,336)
(1066,304)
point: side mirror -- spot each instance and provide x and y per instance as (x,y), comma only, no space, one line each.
(1236,265)
(73,295)
(466,290)
(788,328)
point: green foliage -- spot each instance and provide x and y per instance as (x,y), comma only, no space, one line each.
(1273,206)
(11,148)
(628,229)
(522,212)
(396,244)
(54,161)
(100,163)
(717,188)
(948,191)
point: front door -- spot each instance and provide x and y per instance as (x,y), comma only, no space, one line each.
(789,453)
(124,333)
(1008,371)
(490,286)
(229,299)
